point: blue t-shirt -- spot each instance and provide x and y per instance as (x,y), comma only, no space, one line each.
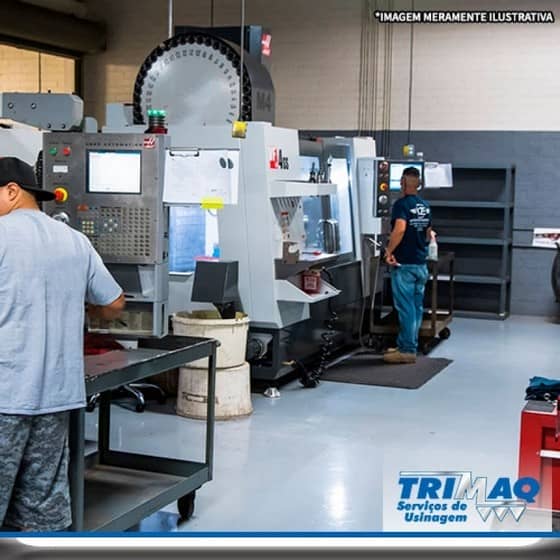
(47,271)
(413,249)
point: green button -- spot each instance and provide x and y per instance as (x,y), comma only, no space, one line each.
(53,151)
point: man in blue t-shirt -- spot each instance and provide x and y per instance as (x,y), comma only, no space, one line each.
(47,271)
(406,253)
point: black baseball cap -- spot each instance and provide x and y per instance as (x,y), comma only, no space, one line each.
(13,170)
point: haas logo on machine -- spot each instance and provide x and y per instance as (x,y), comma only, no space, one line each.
(277,160)
(149,142)
(265,44)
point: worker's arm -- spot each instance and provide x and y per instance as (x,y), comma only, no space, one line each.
(107,312)
(394,241)
(429,233)
(104,296)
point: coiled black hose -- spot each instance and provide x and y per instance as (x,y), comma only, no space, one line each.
(310,379)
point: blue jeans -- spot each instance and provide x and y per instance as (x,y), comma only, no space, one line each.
(408,282)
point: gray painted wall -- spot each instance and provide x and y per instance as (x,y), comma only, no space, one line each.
(536,156)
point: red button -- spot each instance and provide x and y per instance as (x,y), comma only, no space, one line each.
(67,150)
(60,194)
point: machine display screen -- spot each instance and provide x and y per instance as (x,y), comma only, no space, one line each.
(396,169)
(114,172)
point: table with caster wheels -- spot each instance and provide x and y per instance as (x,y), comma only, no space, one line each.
(114,490)
(435,326)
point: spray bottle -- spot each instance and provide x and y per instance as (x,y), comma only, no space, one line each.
(433,247)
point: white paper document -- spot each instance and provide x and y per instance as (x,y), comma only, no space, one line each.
(191,176)
(547,238)
(438,175)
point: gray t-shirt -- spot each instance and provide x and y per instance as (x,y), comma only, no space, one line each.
(47,271)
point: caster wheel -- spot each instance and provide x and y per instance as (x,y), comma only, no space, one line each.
(185,506)
(140,407)
(445,334)
(426,348)
(90,407)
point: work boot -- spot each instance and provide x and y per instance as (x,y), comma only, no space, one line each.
(399,357)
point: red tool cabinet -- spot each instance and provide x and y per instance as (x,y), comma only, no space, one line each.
(539,451)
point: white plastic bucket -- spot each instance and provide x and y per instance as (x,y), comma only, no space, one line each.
(232,334)
(233,392)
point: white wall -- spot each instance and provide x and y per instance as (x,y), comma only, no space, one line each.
(466,77)
(479,77)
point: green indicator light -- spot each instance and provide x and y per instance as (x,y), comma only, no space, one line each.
(156,113)
(53,151)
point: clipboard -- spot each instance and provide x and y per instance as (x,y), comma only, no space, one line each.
(193,176)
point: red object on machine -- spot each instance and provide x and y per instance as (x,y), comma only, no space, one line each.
(95,344)
(311,281)
(539,450)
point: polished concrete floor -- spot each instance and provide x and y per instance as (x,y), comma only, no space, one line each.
(326,459)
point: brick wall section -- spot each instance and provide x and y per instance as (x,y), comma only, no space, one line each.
(57,74)
(19,71)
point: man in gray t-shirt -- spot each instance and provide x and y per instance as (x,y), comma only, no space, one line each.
(47,272)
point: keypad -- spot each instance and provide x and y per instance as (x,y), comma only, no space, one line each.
(119,232)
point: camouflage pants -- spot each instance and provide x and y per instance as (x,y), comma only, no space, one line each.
(34,488)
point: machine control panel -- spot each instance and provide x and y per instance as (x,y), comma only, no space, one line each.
(375,189)
(110,188)
(379,185)
(383,206)
(388,183)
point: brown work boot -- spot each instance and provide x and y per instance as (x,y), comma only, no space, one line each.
(399,357)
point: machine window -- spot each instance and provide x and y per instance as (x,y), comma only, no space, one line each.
(193,233)
(114,172)
(336,208)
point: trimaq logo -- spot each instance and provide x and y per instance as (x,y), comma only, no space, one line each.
(444,497)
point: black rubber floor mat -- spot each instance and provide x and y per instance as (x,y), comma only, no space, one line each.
(369,369)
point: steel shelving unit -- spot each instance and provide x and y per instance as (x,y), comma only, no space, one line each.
(474,219)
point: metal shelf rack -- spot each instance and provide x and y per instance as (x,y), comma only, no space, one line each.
(474,219)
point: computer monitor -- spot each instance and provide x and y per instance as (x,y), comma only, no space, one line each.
(396,169)
(114,172)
